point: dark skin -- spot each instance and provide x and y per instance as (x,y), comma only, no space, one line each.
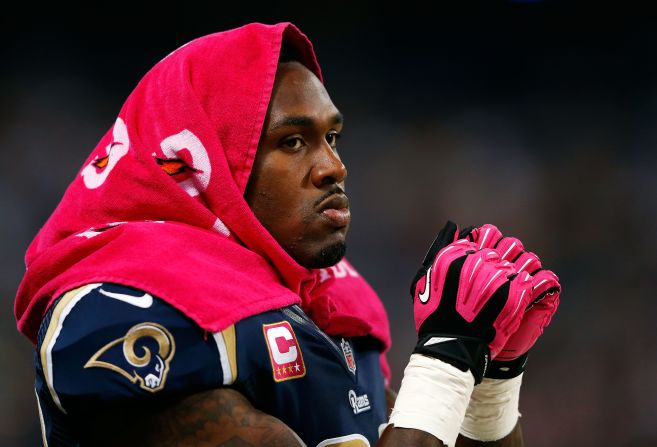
(223,417)
(297,193)
(296,189)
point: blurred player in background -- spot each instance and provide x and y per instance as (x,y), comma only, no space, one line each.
(191,286)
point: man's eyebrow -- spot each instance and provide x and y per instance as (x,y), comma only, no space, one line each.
(302,121)
(338,118)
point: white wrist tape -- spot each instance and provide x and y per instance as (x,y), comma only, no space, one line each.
(433,398)
(493,410)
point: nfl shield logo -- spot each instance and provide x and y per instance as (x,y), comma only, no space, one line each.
(348,356)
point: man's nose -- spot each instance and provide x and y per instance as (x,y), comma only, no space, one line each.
(327,168)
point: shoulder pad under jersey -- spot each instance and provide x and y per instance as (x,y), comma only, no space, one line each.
(106,342)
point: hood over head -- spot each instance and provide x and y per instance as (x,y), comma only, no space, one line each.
(159,205)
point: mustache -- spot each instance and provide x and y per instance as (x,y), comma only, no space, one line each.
(335,190)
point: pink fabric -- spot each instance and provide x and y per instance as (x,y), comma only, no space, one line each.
(361,314)
(159,203)
(545,291)
(483,272)
(327,308)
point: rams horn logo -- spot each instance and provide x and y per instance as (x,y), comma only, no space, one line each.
(147,368)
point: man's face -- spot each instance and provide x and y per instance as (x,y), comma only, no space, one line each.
(296,188)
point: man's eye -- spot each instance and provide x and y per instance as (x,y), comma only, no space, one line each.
(332,138)
(292,143)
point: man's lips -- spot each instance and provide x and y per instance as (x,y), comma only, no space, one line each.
(335,210)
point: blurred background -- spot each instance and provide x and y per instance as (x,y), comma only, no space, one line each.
(536,116)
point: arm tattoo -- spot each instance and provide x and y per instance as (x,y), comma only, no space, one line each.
(220,417)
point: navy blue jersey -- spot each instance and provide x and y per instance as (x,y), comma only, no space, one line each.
(109,344)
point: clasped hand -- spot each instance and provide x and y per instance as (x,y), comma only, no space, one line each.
(479,296)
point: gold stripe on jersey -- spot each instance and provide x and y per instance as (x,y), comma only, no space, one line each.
(227,347)
(44,438)
(346,441)
(61,310)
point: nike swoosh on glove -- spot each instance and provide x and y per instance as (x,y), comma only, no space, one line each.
(467,302)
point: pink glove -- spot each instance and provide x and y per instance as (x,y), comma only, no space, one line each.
(545,293)
(467,302)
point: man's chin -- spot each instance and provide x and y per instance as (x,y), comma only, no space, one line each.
(327,256)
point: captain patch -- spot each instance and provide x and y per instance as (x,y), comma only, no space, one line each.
(284,351)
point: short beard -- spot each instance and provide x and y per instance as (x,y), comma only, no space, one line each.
(328,256)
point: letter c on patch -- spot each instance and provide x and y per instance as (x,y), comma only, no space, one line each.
(274,336)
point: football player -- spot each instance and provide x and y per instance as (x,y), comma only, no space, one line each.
(191,286)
